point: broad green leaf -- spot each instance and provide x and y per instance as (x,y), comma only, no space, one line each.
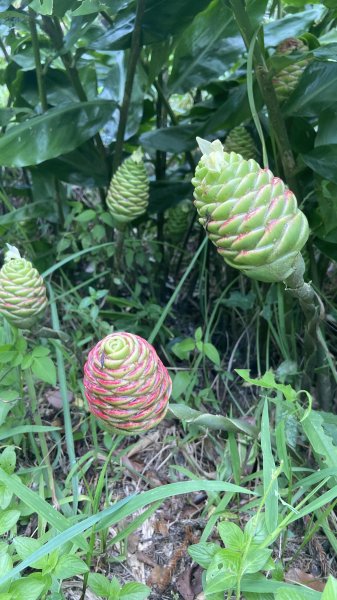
(180,383)
(322,160)
(39,351)
(8,459)
(292,25)
(30,212)
(25,546)
(27,588)
(69,566)
(43,7)
(87,7)
(6,563)
(231,535)
(256,559)
(327,127)
(285,594)
(330,590)
(175,139)
(211,352)
(56,132)
(134,591)
(44,368)
(270,485)
(99,584)
(203,553)
(8,518)
(223,572)
(206,49)
(316,90)
(320,441)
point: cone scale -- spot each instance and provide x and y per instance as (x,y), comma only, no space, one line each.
(250,215)
(23,297)
(240,141)
(126,384)
(286,80)
(128,193)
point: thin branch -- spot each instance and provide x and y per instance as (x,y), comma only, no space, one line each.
(37,60)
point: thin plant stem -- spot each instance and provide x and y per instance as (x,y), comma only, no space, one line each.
(37,60)
(265,83)
(131,70)
(42,438)
(65,400)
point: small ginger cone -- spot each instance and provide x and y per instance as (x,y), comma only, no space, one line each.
(286,80)
(126,384)
(250,215)
(128,193)
(240,141)
(177,221)
(23,297)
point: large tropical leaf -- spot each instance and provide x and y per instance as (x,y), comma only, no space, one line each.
(54,133)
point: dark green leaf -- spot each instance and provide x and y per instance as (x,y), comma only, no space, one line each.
(166,193)
(172,139)
(327,127)
(56,132)
(316,91)
(28,212)
(322,160)
(207,48)
(291,25)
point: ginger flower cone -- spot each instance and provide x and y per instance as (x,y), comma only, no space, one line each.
(126,384)
(249,214)
(23,298)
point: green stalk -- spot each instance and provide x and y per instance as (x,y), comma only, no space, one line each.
(41,435)
(37,60)
(131,70)
(64,395)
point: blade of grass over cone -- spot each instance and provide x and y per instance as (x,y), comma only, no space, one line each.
(120,510)
(38,505)
(175,294)
(65,398)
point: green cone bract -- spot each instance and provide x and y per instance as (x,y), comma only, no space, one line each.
(22,293)
(240,141)
(177,221)
(250,215)
(128,193)
(286,80)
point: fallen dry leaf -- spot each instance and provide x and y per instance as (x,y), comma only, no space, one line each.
(54,398)
(299,576)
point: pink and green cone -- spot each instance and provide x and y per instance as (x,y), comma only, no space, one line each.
(128,193)
(250,215)
(177,221)
(126,384)
(23,297)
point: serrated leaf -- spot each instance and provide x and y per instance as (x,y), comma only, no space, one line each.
(223,571)
(27,588)
(44,368)
(40,351)
(6,563)
(8,518)
(203,553)
(231,535)
(68,566)
(25,546)
(99,584)
(256,559)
